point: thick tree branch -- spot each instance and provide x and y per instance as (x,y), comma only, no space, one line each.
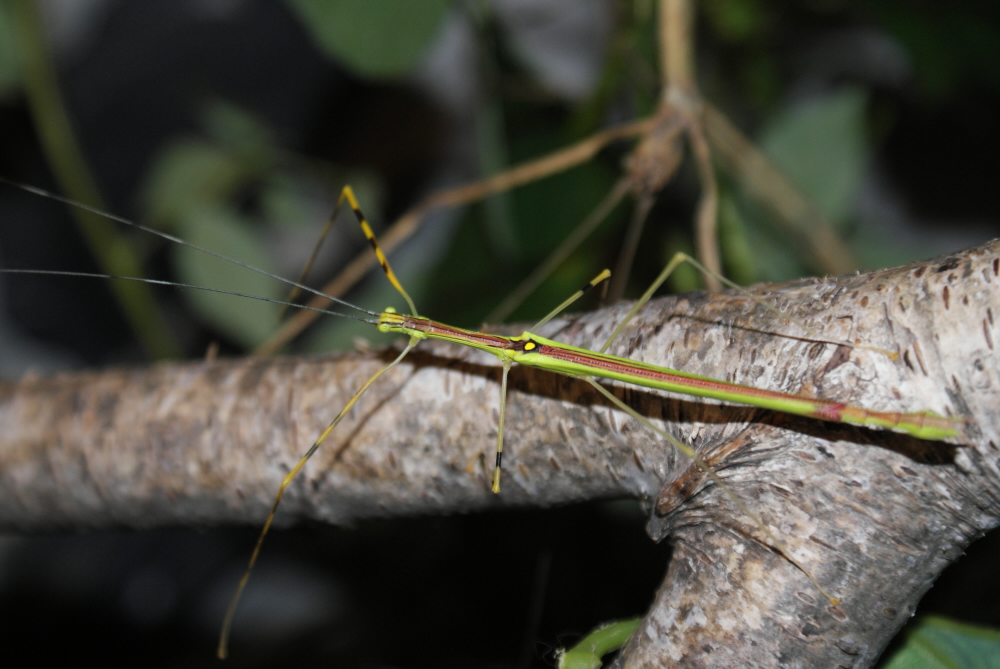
(874,515)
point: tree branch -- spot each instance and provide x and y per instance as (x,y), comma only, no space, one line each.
(874,515)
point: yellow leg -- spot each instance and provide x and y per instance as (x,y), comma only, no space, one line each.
(680,258)
(227,622)
(561,252)
(503,412)
(347,194)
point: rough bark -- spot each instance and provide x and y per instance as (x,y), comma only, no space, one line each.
(874,515)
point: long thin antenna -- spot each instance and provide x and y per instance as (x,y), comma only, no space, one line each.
(177,240)
(175,284)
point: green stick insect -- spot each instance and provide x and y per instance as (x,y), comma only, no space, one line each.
(535,351)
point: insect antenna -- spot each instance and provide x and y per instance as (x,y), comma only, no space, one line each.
(177,240)
(188,286)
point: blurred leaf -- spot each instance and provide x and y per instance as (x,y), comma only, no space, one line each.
(10,72)
(821,146)
(216,228)
(940,643)
(375,38)
(685,278)
(287,203)
(188,174)
(192,172)
(737,253)
(239,130)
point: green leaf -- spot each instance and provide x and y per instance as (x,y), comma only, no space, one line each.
(375,38)
(189,174)
(240,131)
(246,321)
(820,146)
(940,643)
(737,252)
(588,653)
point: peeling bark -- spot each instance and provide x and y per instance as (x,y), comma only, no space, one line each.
(874,515)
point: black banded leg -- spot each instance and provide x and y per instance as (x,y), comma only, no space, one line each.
(503,413)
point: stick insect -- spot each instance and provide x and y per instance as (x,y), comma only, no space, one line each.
(537,351)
